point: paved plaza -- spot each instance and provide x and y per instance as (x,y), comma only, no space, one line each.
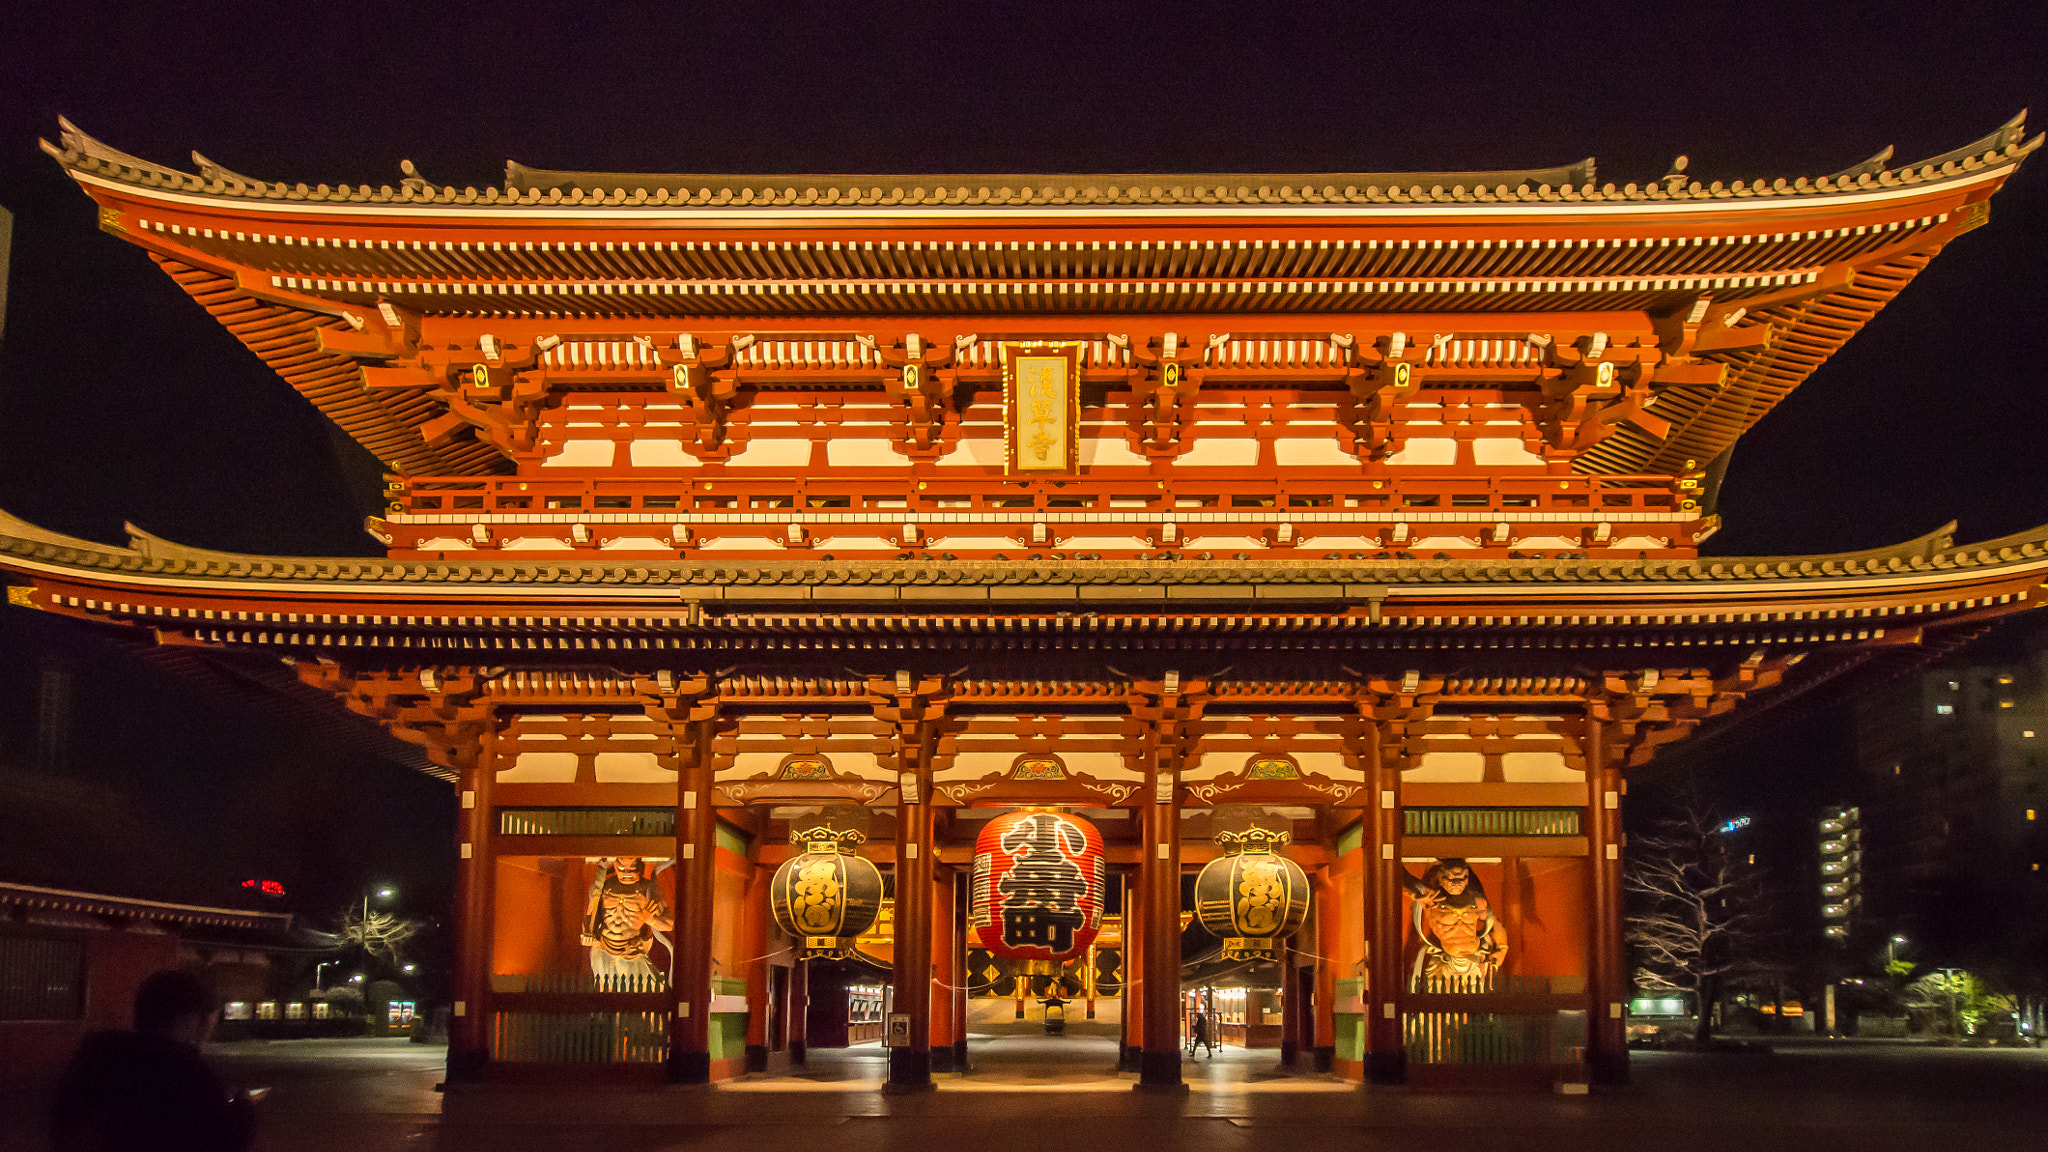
(377,1095)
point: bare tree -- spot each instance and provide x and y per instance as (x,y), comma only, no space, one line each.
(1699,920)
(378,934)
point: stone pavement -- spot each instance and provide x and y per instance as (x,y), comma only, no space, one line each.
(1026,1095)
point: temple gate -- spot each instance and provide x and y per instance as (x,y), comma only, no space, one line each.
(1359,508)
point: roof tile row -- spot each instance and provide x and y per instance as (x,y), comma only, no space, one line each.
(1934,552)
(83,153)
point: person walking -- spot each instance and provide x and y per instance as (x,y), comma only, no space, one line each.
(149,1090)
(1198,1035)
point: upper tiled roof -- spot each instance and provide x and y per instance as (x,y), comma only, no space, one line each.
(533,186)
(150,556)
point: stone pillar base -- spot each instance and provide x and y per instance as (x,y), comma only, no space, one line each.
(689,1068)
(1608,1069)
(757,1057)
(466,1066)
(1386,1067)
(1160,1072)
(910,1070)
(1323,1057)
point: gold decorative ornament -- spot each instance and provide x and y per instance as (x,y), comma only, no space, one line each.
(1252,897)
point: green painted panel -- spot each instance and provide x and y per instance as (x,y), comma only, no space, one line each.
(1351,839)
(1350,1035)
(732,839)
(728,1035)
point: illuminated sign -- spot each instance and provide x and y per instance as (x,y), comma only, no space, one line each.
(267,887)
(1736,825)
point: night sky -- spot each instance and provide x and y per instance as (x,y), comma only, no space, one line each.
(121,400)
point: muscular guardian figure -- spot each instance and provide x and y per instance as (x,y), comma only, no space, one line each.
(626,909)
(1462,943)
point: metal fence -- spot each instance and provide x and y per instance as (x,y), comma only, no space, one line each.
(579,982)
(1490,821)
(1495,1037)
(580,1037)
(586,821)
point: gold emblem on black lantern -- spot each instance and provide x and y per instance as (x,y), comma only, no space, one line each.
(1251,896)
(826,895)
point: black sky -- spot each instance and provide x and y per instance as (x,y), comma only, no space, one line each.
(120,400)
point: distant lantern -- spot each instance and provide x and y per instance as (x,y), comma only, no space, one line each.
(1038,880)
(1251,896)
(826,895)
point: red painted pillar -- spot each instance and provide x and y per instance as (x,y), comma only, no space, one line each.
(959,968)
(798,1018)
(469,1029)
(1607,1033)
(944,976)
(910,1064)
(1134,976)
(689,1045)
(1328,927)
(1386,1061)
(1291,1008)
(1159,1066)
(754,943)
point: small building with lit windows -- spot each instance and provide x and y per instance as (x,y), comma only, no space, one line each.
(1953,790)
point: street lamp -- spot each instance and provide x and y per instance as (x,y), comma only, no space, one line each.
(318,986)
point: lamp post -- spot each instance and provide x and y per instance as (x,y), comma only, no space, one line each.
(1952,986)
(318,972)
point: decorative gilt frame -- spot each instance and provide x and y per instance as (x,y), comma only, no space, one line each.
(1069,351)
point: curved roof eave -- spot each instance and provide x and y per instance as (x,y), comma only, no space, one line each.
(1479,194)
(1929,560)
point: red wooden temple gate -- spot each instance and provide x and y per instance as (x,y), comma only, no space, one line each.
(1364,505)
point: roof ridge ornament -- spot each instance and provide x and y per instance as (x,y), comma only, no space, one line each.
(210,171)
(1871,167)
(414,182)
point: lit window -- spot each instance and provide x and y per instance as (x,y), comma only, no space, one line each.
(2005,679)
(2005,703)
(1752,855)
(2030,813)
(2027,734)
(1944,709)
(1953,685)
(1895,769)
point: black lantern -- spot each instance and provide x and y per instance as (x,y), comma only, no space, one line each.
(1251,896)
(826,895)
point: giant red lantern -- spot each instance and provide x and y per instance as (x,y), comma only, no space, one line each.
(1038,879)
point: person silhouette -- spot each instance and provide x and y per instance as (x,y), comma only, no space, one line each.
(149,1090)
